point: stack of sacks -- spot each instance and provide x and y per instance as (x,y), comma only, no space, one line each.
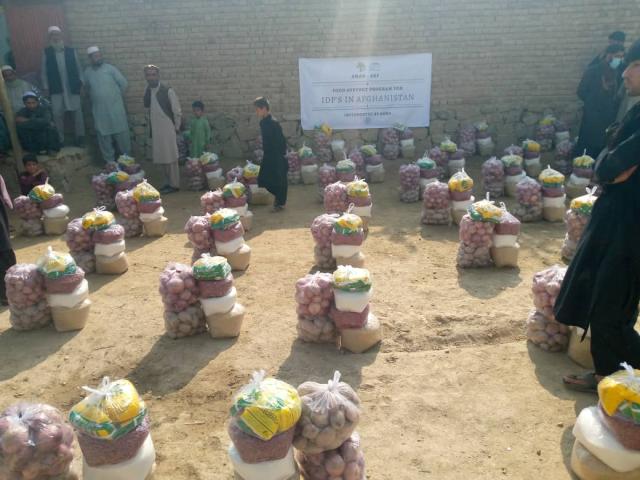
(338,149)
(484,141)
(409,183)
(322,142)
(436,205)
(373,164)
(607,444)
(259,195)
(362,169)
(195,175)
(347,238)
(321,230)
(467,139)
(30,215)
(456,161)
(545,132)
(294,175)
(211,201)
(120,180)
(460,191)
(562,133)
(513,173)
(562,161)
(576,220)
(28,305)
(441,158)
(67,290)
(80,243)
(314,299)
(212,170)
(218,296)
(108,242)
(234,174)
(258,151)
(429,173)
(151,210)
(309,162)
(532,158)
(345,170)
(407,145)
(448,149)
(264,415)
(128,165)
(505,248)
(358,195)
(183,314)
(476,235)
(235,197)
(529,197)
(200,235)
(514,150)
(553,195)
(112,424)
(53,208)
(326,176)
(358,328)
(542,328)
(335,198)
(37,443)
(493,177)
(129,214)
(390,141)
(104,191)
(228,235)
(581,176)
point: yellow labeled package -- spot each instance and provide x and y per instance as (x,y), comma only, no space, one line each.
(126,160)
(326,129)
(234,189)
(512,160)
(98,219)
(345,166)
(460,182)
(114,178)
(208,157)
(251,170)
(531,146)
(145,192)
(551,178)
(448,146)
(485,211)
(266,407)
(352,279)
(583,161)
(548,120)
(110,411)
(211,268)
(358,188)
(55,264)
(305,152)
(348,224)
(584,204)
(40,193)
(223,218)
(620,389)
(368,150)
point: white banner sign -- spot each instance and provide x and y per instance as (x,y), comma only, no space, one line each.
(367,92)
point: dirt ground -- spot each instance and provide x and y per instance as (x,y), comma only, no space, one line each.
(454,391)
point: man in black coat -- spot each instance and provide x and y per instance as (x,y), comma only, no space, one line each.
(274,167)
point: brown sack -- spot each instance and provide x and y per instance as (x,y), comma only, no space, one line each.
(505,256)
(356,261)
(240,259)
(55,226)
(156,228)
(116,265)
(226,325)
(553,214)
(359,340)
(68,319)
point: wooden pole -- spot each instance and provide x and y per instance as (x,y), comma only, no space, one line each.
(11,124)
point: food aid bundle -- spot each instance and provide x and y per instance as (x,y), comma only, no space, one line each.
(436,204)
(476,235)
(460,190)
(514,150)
(108,242)
(128,164)
(505,247)
(441,158)
(357,158)
(345,170)
(542,328)
(195,175)
(338,149)
(576,220)
(321,230)
(36,443)
(607,436)
(314,300)
(67,290)
(218,296)
(467,139)
(513,173)
(129,215)
(121,180)
(484,141)
(258,150)
(326,176)
(258,195)
(235,198)
(309,165)
(448,149)
(359,329)
(200,234)
(55,214)
(335,198)
(264,415)
(294,175)
(103,190)
(28,307)
(553,195)
(493,177)
(212,171)
(359,200)
(347,238)
(228,236)
(154,223)
(429,172)
(545,132)
(373,164)
(407,144)
(183,315)
(112,425)
(581,175)
(211,201)
(390,141)
(80,243)
(322,142)
(409,183)
(529,197)
(562,132)
(234,174)
(532,152)
(562,161)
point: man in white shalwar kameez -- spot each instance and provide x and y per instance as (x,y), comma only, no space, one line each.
(165,118)
(106,86)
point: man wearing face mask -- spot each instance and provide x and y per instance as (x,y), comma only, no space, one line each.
(62,79)
(598,90)
(106,87)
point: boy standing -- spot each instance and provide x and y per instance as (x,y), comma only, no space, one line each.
(199,133)
(274,167)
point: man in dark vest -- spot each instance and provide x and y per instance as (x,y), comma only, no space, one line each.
(62,79)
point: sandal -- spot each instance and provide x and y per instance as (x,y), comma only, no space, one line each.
(582,383)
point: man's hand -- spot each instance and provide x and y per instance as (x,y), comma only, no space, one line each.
(624,176)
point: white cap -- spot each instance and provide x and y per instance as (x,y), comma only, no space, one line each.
(92,50)
(54,29)
(28,94)
(6,68)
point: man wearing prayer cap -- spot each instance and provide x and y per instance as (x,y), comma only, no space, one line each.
(165,118)
(16,87)
(106,87)
(36,130)
(62,79)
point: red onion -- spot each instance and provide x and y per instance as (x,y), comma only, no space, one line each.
(546,287)
(78,239)
(34,316)
(178,287)
(26,208)
(467,139)
(24,285)
(323,257)
(326,176)
(199,232)
(132,226)
(127,206)
(436,204)
(514,150)
(545,332)
(314,295)
(85,260)
(391,151)
(529,192)
(322,227)
(493,177)
(358,160)
(104,191)
(234,173)
(32,227)
(476,234)
(335,198)
(211,201)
